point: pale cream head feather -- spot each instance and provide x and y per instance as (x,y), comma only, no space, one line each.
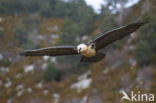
(81,48)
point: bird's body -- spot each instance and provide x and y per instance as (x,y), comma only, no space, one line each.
(89,52)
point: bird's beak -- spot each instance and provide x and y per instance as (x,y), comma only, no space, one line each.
(79,50)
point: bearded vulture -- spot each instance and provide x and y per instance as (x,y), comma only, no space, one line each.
(89,52)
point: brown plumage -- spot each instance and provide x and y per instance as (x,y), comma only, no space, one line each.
(116,34)
(95,45)
(51,51)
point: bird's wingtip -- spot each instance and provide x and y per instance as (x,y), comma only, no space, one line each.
(22,53)
(144,20)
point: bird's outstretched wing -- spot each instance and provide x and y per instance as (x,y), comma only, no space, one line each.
(116,34)
(51,51)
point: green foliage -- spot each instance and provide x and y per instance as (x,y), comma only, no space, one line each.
(11,6)
(75,9)
(51,73)
(20,6)
(23,30)
(32,22)
(32,6)
(79,22)
(150,27)
(108,20)
(46,10)
(80,12)
(145,49)
(143,53)
(69,31)
(146,43)
(53,8)
(20,35)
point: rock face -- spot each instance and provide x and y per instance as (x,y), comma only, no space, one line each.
(94,97)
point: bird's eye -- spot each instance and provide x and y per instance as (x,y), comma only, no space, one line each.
(92,46)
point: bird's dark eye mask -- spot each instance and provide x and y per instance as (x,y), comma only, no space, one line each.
(92,46)
(80,49)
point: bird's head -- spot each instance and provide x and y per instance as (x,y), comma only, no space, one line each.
(81,48)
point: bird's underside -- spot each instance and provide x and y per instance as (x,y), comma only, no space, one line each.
(92,47)
(96,58)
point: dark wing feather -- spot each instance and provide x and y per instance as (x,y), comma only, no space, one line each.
(96,58)
(116,34)
(51,51)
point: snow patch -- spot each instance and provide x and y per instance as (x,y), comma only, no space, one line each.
(44,66)
(83,83)
(29,68)
(84,99)
(53,59)
(132,62)
(84,76)
(45,92)
(19,87)
(29,90)
(45,58)
(133,35)
(4,69)
(56,97)
(8,84)
(39,85)
(55,36)
(18,75)
(19,93)
(117,64)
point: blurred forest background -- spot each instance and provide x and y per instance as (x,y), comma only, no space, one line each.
(29,24)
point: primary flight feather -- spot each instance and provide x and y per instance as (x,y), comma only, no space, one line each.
(89,52)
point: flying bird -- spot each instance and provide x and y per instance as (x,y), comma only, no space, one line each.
(89,52)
